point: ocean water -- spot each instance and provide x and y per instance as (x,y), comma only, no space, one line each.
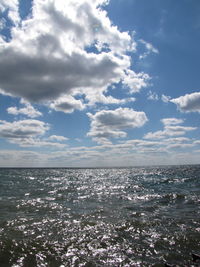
(99,217)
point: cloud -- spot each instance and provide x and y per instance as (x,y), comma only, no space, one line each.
(110,123)
(99,97)
(171,121)
(188,102)
(58,138)
(180,128)
(18,158)
(180,146)
(178,140)
(135,81)
(22,129)
(149,47)
(171,128)
(13,9)
(152,96)
(47,56)
(29,133)
(125,153)
(67,104)
(28,111)
(165,98)
(35,142)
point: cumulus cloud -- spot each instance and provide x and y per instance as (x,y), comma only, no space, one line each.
(135,81)
(22,128)
(171,128)
(30,133)
(67,104)
(111,123)
(99,97)
(47,55)
(28,111)
(188,102)
(58,138)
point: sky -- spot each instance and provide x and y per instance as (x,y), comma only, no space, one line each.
(94,83)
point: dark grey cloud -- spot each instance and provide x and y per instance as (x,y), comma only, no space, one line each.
(38,78)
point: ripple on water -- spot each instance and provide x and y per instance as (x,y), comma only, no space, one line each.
(99,217)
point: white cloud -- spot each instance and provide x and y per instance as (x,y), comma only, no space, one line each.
(165,98)
(36,142)
(46,57)
(152,96)
(180,146)
(188,102)
(28,110)
(16,158)
(150,49)
(67,104)
(30,133)
(102,138)
(197,142)
(178,140)
(160,134)
(180,128)
(171,121)
(13,9)
(110,123)
(58,138)
(99,97)
(135,81)
(170,129)
(22,128)
(149,46)
(125,153)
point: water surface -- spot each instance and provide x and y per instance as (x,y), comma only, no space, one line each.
(99,217)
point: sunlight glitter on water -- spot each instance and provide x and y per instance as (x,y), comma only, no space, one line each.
(99,217)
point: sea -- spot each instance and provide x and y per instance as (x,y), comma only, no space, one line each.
(141,216)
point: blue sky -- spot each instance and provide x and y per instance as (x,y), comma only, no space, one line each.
(99,83)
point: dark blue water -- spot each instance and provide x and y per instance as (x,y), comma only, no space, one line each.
(99,217)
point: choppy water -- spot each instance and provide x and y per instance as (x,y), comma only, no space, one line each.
(99,217)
